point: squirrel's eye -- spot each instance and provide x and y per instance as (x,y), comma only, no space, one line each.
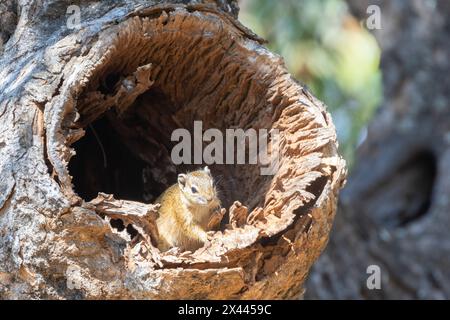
(194,190)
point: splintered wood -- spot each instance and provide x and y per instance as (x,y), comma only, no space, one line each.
(147,70)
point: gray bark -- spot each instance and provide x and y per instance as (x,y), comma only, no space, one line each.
(91,109)
(395,208)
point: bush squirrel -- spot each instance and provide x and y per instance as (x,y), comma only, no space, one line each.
(185,210)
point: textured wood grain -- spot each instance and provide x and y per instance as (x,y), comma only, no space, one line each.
(141,71)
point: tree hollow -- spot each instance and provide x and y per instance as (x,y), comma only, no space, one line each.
(108,130)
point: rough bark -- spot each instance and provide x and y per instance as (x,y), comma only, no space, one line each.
(394,211)
(111,92)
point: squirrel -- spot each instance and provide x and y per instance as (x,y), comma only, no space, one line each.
(185,211)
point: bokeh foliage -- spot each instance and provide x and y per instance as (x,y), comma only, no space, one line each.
(325,48)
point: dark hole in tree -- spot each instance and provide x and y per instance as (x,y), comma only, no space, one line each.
(118,224)
(131,231)
(407,196)
(109,82)
(418,196)
(103,163)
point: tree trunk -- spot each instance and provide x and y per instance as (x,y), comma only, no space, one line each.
(111,91)
(394,212)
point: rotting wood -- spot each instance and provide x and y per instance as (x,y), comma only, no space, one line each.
(139,73)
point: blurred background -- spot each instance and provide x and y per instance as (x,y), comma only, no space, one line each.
(388,92)
(326,48)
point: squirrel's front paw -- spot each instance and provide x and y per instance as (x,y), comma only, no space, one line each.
(216,218)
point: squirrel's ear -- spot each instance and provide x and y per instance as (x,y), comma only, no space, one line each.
(206,169)
(182,179)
